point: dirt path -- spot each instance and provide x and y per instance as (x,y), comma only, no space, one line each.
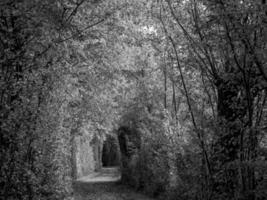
(105,186)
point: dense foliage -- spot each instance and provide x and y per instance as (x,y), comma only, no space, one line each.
(211,79)
(188,76)
(44,93)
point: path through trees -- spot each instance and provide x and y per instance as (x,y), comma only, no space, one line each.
(105,185)
(182,82)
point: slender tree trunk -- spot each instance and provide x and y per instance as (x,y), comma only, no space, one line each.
(165,86)
(73,154)
(174,101)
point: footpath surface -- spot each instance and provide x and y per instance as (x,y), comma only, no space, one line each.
(105,185)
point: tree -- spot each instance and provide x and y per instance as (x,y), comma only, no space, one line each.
(232,69)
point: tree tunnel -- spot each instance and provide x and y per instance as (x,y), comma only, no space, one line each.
(125,145)
(91,154)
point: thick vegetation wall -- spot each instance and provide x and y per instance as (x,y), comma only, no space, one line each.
(39,106)
(88,155)
(162,163)
(146,156)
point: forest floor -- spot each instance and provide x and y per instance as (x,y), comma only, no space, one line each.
(105,185)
